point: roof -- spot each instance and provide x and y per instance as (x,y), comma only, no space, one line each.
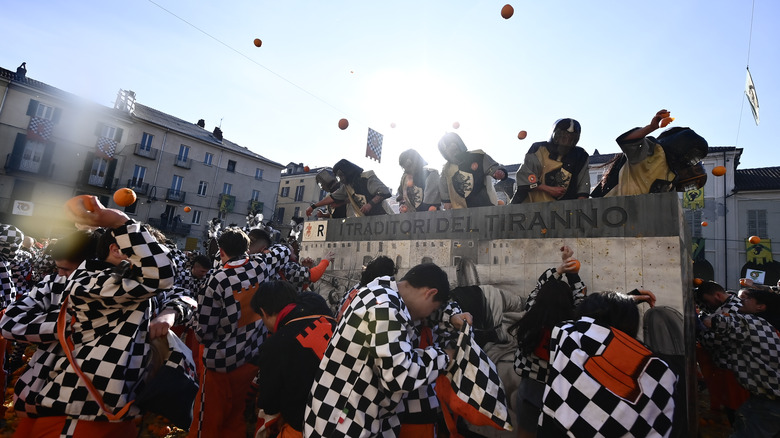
(764,178)
(160,118)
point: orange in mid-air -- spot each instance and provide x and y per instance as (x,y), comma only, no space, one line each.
(704,224)
(507,11)
(698,281)
(258,42)
(719,170)
(187,209)
(124,197)
(455,125)
(754,240)
(522,135)
(343,123)
(306,168)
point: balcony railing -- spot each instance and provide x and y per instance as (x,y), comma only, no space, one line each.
(139,187)
(185,163)
(15,163)
(145,151)
(175,195)
(97,180)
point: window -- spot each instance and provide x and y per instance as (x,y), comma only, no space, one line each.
(208,159)
(184,151)
(196,217)
(693,218)
(280,214)
(138,175)
(227,188)
(299,193)
(285,192)
(202,187)
(97,175)
(231,167)
(297,212)
(44,112)
(176,183)
(259,173)
(757,223)
(146,142)
(107,131)
(255,195)
(32,156)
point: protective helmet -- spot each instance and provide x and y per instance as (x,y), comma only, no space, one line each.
(565,134)
(450,145)
(347,171)
(327,180)
(411,160)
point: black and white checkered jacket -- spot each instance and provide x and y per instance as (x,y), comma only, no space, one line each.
(110,311)
(531,365)
(10,242)
(604,383)
(370,366)
(227,343)
(753,351)
(720,348)
(21,270)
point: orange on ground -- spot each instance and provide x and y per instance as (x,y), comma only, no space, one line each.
(343,123)
(507,11)
(754,240)
(124,197)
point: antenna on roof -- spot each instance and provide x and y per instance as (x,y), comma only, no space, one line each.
(220,122)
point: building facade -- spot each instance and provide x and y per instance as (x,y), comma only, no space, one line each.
(58,145)
(298,189)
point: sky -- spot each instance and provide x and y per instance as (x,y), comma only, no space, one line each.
(413,70)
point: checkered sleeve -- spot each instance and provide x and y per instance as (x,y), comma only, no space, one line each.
(296,274)
(21,271)
(575,282)
(33,318)
(7,288)
(180,300)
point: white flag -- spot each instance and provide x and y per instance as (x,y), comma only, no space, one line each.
(750,92)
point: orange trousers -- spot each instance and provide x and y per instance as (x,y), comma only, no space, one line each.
(51,427)
(222,411)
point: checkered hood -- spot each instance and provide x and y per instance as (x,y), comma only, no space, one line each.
(754,353)
(369,367)
(591,392)
(10,241)
(532,366)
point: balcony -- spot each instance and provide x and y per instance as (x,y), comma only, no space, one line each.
(145,151)
(175,195)
(139,187)
(185,163)
(172,227)
(18,163)
(227,203)
(97,180)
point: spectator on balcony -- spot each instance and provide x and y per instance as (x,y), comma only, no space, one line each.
(21,72)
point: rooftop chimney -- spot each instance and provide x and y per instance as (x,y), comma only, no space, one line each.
(218,133)
(202,123)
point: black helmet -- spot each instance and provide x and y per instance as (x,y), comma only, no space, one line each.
(327,180)
(450,145)
(565,134)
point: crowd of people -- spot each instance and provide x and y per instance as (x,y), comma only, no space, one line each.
(552,170)
(246,347)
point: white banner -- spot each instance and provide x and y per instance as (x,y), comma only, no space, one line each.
(755,275)
(750,92)
(315,231)
(23,208)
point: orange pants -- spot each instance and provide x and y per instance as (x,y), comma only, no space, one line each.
(51,427)
(287,431)
(225,401)
(725,391)
(417,430)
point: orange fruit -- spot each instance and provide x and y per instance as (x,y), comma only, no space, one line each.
(704,224)
(258,42)
(187,209)
(124,197)
(665,121)
(754,240)
(433,208)
(698,281)
(403,208)
(719,170)
(507,11)
(501,202)
(522,135)
(455,125)
(306,168)
(577,265)
(392,125)
(343,123)
(743,282)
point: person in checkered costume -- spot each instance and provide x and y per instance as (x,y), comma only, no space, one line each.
(552,301)
(751,346)
(602,382)
(231,334)
(116,305)
(21,267)
(10,241)
(371,363)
